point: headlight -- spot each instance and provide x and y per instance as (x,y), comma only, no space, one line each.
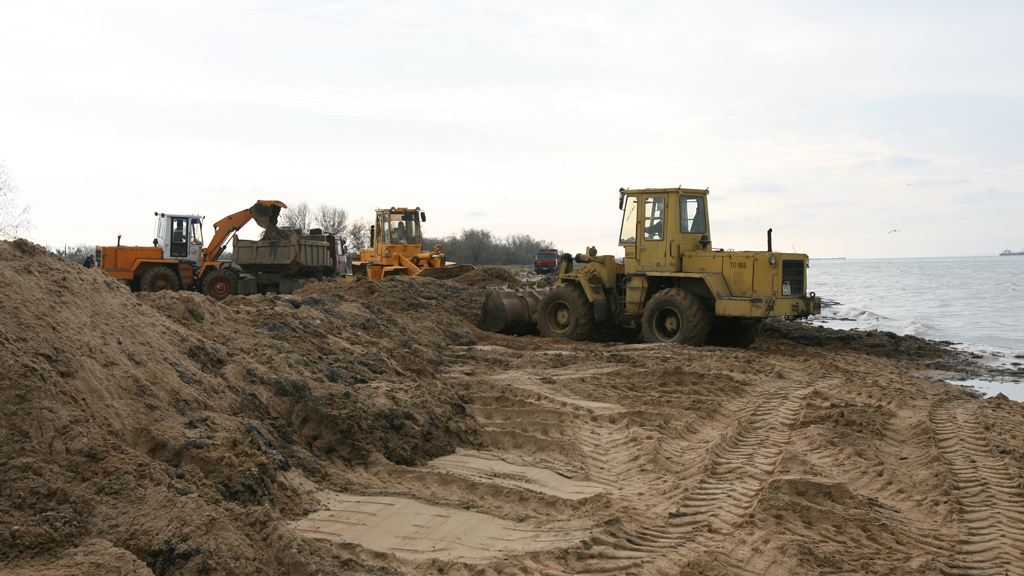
(771,260)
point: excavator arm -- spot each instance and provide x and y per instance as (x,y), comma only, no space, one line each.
(265,213)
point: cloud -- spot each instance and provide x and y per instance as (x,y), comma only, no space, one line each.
(760,188)
(900,162)
(990,197)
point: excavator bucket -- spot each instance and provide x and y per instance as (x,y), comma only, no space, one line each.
(511,311)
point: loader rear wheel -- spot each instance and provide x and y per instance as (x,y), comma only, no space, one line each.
(566,313)
(158,279)
(675,316)
(219,284)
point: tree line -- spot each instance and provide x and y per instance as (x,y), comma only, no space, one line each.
(476,246)
(469,246)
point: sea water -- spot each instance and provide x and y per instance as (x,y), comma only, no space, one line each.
(976,302)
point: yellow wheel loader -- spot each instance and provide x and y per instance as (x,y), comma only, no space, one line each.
(396,248)
(673,285)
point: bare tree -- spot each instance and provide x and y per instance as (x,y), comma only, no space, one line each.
(359,234)
(296,216)
(13,218)
(331,219)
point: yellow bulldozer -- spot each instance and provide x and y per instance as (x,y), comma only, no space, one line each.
(672,284)
(396,248)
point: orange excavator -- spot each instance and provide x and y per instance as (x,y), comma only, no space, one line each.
(178,261)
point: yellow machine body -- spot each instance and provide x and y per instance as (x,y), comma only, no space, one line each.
(396,248)
(672,283)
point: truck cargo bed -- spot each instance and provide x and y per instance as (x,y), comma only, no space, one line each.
(291,253)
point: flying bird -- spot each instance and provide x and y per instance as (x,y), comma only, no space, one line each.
(891,231)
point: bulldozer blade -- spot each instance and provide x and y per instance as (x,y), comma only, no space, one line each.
(446,272)
(510,311)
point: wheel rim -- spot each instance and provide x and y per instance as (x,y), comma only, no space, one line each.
(161,284)
(667,323)
(220,288)
(560,316)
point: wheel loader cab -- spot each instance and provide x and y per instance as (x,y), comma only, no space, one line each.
(660,224)
(180,237)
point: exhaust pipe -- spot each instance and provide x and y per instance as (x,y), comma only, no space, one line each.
(769,239)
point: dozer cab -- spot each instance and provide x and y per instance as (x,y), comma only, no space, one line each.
(673,285)
(396,248)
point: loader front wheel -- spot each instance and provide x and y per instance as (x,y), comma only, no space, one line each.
(219,284)
(675,316)
(158,279)
(566,313)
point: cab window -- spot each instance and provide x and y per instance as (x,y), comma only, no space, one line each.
(405,228)
(628,232)
(654,218)
(692,218)
(197,231)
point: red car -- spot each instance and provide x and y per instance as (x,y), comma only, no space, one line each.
(546,261)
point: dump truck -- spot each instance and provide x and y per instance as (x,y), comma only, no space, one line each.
(281,262)
(396,248)
(672,285)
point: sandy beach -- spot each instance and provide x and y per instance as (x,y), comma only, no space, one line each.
(361,427)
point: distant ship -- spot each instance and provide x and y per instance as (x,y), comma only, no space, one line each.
(1009,252)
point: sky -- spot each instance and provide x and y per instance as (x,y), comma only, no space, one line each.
(832,123)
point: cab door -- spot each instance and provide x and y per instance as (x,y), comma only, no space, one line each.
(652,245)
(179,237)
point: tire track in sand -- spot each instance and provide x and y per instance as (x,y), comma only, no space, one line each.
(987,491)
(742,463)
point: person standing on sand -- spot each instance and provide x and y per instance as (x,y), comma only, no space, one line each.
(89,261)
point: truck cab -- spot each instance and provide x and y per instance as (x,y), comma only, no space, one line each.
(545,261)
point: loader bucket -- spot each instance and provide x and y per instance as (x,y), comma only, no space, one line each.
(510,311)
(265,215)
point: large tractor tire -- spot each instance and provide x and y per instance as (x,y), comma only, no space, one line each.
(565,312)
(675,316)
(220,283)
(732,332)
(158,279)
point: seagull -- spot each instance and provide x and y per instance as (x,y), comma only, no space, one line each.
(891,231)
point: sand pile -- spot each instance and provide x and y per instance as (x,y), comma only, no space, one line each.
(362,427)
(161,424)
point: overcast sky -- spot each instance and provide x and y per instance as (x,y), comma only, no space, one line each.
(831,122)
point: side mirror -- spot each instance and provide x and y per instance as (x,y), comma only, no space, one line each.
(423,216)
(371,234)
